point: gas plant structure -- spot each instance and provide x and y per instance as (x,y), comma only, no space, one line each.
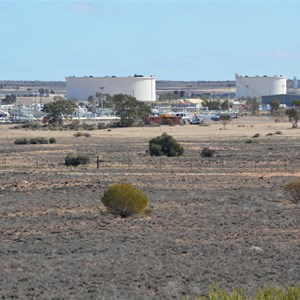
(258,86)
(143,88)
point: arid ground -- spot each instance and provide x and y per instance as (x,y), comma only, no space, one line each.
(223,220)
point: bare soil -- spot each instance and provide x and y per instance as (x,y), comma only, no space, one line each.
(223,220)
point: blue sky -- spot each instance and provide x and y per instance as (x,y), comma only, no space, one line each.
(172,40)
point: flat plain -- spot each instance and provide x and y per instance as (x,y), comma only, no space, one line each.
(222,220)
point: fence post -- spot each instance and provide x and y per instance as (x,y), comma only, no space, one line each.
(285,164)
(98,162)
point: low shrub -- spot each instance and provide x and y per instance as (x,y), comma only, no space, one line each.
(251,142)
(21,141)
(52,140)
(101,126)
(278,132)
(79,134)
(74,161)
(32,125)
(206,152)
(266,293)
(169,122)
(38,140)
(165,145)
(293,188)
(35,141)
(124,200)
(203,124)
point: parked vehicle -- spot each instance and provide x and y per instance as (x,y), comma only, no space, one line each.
(196,121)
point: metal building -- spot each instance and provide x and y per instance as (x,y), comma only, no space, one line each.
(143,88)
(256,87)
(285,99)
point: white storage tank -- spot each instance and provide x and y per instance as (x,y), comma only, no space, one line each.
(256,87)
(143,88)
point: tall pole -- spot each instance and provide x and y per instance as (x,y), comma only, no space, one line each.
(101,99)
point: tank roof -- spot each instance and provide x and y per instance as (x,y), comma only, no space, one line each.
(257,76)
(106,77)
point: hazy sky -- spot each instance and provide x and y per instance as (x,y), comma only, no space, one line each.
(173,40)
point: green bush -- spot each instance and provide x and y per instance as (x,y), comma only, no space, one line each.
(165,145)
(74,161)
(21,141)
(206,152)
(293,188)
(124,200)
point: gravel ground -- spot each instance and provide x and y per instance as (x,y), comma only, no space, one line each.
(223,220)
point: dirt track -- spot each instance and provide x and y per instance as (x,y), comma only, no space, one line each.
(223,220)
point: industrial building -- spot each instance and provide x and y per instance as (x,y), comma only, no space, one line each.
(143,88)
(286,100)
(256,87)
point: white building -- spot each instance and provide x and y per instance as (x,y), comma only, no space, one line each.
(143,88)
(256,87)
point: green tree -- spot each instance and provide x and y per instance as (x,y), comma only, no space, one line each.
(169,96)
(252,105)
(9,99)
(225,105)
(274,104)
(225,119)
(59,108)
(294,113)
(129,109)
(212,104)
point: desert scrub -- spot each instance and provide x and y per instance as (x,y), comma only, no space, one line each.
(79,134)
(39,140)
(32,125)
(293,188)
(165,145)
(206,152)
(52,141)
(74,161)
(251,142)
(169,122)
(124,200)
(21,141)
(34,141)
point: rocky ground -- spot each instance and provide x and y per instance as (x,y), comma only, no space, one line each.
(223,220)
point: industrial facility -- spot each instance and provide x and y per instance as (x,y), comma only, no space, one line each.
(143,88)
(256,87)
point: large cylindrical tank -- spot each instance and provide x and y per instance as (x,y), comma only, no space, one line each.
(141,87)
(256,87)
